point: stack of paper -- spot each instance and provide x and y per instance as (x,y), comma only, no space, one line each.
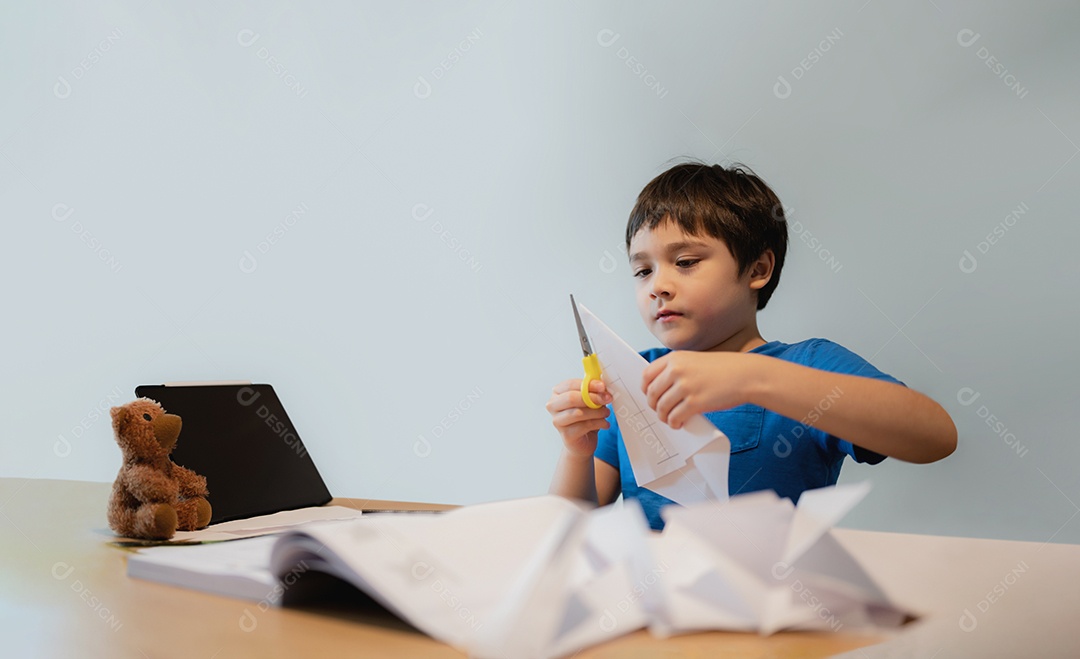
(250,527)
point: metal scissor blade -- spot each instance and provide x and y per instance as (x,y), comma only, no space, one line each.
(586,347)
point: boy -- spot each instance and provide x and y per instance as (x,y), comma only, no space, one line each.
(706,247)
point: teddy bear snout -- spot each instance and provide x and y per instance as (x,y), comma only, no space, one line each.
(166,430)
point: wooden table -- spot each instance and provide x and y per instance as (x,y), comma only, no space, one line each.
(64,593)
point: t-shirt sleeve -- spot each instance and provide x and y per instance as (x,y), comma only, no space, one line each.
(607,441)
(835,358)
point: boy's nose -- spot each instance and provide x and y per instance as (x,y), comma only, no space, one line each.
(661,287)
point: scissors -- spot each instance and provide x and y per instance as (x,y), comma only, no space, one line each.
(590,362)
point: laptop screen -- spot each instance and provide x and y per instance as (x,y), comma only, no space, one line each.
(239,437)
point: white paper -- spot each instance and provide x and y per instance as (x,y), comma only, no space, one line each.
(685,465)
(260,525)
(818,511)
(759,563)
(234,569)
(545,577)
(537,577)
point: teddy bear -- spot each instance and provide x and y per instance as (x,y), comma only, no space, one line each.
(152,496)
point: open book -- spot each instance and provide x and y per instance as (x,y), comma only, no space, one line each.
(531,577)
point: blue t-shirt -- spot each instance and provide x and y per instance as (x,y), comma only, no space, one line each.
(768,451)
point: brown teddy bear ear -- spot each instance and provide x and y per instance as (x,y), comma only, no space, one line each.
(118,414)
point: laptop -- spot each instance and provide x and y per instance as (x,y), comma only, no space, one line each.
(239,437)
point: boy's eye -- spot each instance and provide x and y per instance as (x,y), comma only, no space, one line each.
(686,263)
(642,272)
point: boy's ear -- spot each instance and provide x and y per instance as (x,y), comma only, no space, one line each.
(761,270)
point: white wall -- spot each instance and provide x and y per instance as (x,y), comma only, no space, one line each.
(147,152)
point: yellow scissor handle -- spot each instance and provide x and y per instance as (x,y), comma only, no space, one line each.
(592,372)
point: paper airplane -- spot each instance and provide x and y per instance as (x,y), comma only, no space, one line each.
(685,465)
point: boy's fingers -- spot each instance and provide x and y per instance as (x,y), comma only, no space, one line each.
(577,427)
(678,414)
(571,398)
(652,393)
(601,397)
(585,428)
(575,385)
(574,401)
(602,424)
(666,403)
(654,401)
(651,371)
(582,413)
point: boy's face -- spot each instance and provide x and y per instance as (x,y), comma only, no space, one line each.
(689,291)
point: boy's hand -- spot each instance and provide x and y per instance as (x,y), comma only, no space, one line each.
(683,383)
(575,421)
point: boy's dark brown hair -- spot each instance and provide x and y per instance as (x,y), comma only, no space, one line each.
(731,204)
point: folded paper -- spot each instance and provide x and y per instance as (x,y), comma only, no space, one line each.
(685,465)
(762,564)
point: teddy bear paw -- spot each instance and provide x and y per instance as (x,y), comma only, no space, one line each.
(192,514)
(202,510)
(156,521)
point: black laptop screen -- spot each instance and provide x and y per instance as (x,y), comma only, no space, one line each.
(240,438)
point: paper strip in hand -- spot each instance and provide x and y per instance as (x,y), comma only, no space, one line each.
(685,465)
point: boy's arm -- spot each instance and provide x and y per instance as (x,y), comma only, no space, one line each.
(880,416)
(586,478)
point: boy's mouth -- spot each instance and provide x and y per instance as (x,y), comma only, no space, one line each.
(666,315)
